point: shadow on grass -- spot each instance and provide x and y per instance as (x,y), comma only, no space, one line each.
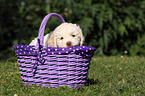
(91,81)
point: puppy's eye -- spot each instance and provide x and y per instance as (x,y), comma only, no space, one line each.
(73,35)
(61,38)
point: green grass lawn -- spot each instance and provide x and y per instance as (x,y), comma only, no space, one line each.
(107,76)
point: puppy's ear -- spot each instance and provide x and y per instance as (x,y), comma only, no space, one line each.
(52,40)
(82,37)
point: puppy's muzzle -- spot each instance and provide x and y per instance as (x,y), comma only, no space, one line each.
(68,44)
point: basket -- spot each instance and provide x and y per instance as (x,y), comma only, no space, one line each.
(51,66)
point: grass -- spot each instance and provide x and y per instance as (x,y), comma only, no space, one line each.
(107,76)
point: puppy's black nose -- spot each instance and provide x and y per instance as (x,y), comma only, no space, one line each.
(69,44)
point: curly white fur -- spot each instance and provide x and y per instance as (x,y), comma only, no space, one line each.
(65,35)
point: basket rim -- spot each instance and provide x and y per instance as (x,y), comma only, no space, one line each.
(27,50)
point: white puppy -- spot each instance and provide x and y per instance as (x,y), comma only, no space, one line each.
(65,35)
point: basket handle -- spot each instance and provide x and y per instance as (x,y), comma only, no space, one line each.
(43,24)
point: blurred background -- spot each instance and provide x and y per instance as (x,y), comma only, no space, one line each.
(114,27)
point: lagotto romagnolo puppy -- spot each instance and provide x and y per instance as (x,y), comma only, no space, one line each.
(65,35)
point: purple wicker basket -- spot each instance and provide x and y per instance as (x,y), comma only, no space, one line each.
(51,66)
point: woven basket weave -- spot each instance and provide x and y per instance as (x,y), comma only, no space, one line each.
(53,67)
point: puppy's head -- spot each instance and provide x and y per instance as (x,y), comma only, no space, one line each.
(66,35)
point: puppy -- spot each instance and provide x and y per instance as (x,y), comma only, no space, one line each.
(45,41)
(65,35)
